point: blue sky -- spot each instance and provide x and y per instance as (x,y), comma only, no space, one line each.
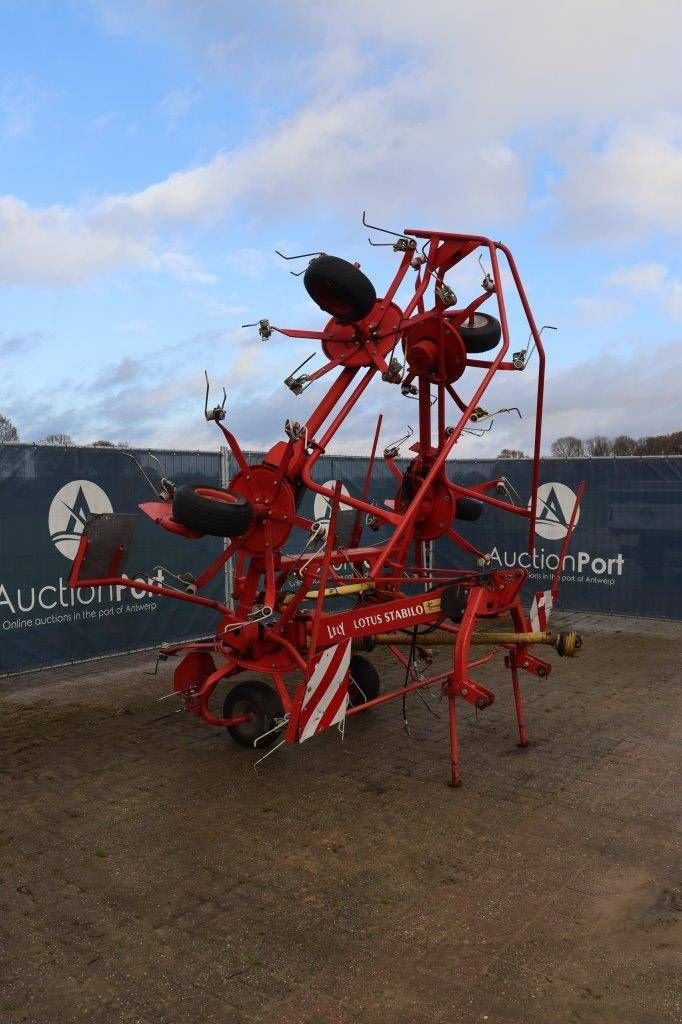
(155,153)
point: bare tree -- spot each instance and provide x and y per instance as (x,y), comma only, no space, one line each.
(568,447)
(624,445)
(8,432)
(598,446)
(58,439)
(660,444)
(512,453)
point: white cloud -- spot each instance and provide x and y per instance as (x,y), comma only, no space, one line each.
(652,279)
(640,279)
(599,310)
(185,268)
(20,101)
(410,111)
(56,246)
(327,157)
(674,300)
(508,62)
(251,263)
(629,187)
(176,104)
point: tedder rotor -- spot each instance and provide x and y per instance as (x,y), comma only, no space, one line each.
(283,624)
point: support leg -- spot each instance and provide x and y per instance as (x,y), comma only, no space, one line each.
(518,701)
(456,778)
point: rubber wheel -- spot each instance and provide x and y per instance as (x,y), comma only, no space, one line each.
(339,288)
(364,681)
(212,511)
(481,335)
(263,704)
(468,509)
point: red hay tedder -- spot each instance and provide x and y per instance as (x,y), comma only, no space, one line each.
(282,626)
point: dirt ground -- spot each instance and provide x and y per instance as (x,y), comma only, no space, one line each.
(149,875)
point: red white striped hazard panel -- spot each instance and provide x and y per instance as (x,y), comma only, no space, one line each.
(326,691)
(539,611)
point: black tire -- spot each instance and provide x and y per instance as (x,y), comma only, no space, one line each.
(364,683)
(261,702)
(339,288)
(468,509)
(482,335)
(211,510)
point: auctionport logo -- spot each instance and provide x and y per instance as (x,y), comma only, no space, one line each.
(322,505)
(555,506)
(70,508)
(554,510)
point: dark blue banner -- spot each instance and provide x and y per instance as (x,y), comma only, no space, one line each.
(46,493)
(626,553)
(625,557)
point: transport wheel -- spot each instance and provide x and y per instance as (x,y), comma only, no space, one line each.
(212,511)
(261,702)
(480,332)
(339,288)
(468,509)
(364,682)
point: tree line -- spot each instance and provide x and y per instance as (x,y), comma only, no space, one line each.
(599,446)
(10,435)
(567,447)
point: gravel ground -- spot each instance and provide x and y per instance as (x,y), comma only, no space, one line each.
(150,875)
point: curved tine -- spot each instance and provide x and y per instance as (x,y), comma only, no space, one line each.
(300,256)
(144,475)
(375,227)
(438,277)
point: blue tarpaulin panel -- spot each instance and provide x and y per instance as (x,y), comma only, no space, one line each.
(625,558)
(626,554)
(45,495)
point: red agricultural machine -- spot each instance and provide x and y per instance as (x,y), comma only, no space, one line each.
(294,664)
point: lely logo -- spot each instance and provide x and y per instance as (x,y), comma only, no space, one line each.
(70,508)
(555,507)
(322,505)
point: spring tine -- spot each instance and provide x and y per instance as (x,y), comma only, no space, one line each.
(311,356)
(142,472)
(275,728)
(270,751)
(300,256)
(374,227)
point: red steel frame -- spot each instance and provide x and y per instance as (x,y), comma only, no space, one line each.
(281,638)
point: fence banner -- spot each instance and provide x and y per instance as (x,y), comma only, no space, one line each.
(46,493)
(625,558)
(626,553)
